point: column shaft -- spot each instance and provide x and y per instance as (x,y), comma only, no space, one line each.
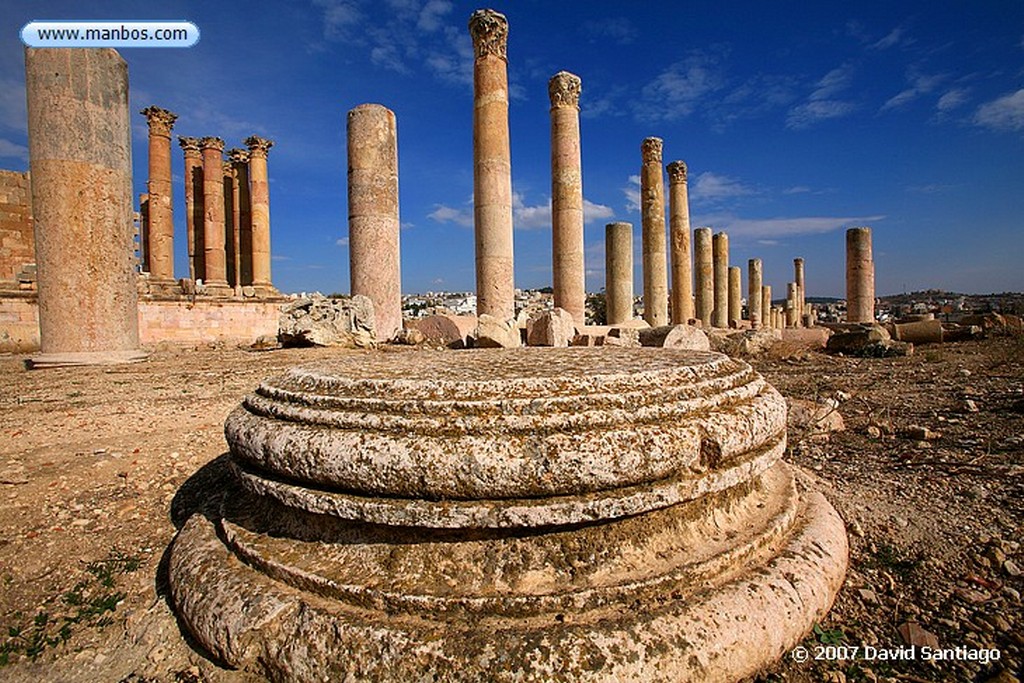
(860,276)
(791,304)
(652,212)
(754,276)
(735,296)
(213,216)
(194,208)
(720,248)
(704,275)
(798,277)
(618,245)
(679,243)
(373,221)
(766,306)
(259,206)
(161,212)
(568,270)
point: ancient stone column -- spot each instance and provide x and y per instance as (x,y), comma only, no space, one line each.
(860,276)
(679,243)
(259,201)
(144,232)
(569,274)
(492,166)
(735,296)
(652,211)
(373,222)
(766,306)
(194,207)
(213,216)
(618,291)
(161,212)
(798,276)
(241,216)
(791,304)
(720,253)
(79,136)
(231,225)
(704,275)
(754,294)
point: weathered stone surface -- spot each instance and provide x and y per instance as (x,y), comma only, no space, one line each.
(744,342)
(618,272)
(552,328)
(815,337)
(319,321)
(493,333)
(453,331)
(921,332)
(814,420)
(666,541)
(860,276)
(623,336)
(867,340)
(675,337)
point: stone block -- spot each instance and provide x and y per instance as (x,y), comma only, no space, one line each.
(675,337)
(551,328)
(492,333)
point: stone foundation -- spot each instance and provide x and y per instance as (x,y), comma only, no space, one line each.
(530,515)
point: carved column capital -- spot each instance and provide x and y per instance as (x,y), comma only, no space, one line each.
(489,30)
(238,156)
(160,120)
(564,90)
(676,172)
(211,143)
(229,168)
(650,150)
(190,146)
(258,147)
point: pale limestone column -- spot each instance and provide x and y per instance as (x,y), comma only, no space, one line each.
(798,276)
(704,276)
(778,318)
(241,216)
(652,212)
(766,306)
(492,166)
(720,249)
(568,270)
(79,136)
(791,304)
(213,216)
(618,291)
(679,243)
(373,221)
(755,271)
(194,206)
(860,276)
(259,207)
(161,211)
(232,225)
(735,296)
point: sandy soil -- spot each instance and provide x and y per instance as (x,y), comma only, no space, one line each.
(99,466)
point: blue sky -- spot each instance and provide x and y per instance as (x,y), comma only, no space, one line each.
(796,120)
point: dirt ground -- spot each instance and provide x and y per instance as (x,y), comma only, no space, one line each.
(928,474)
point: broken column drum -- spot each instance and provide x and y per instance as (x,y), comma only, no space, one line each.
(860,276)
(618,288)
(679,244)
(492,166)
(373,223)
(544,515)
(79,138)
(567,258)
(654,253)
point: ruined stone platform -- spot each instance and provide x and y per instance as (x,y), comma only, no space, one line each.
(530,515)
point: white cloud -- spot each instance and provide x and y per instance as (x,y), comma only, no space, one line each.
(595,212)
(834,82)
(769,228)
(952,99)
(822,104)
(10,150)
(677,90)
(889,40)
(13,114)
(796,189)
(632,192)
(1004,113)
(432,14)
(918,84)
(447,214)
(342,242)
(619,30)
(538,216)
(714,187)
(340,18)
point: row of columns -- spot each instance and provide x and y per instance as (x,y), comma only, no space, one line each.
(222,198)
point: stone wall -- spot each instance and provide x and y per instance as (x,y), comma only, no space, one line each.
(17,245)
(159,321)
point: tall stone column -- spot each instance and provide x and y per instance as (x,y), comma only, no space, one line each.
(735,296)
(232,225)
(679,243)
(194,206)
(860,276)
(720,249)
(791,304)
(704,272)
(798,277)
(144,232)
(492,166)
(618,291)
(259,200)
(755,271)
(79,136)
(766,306)
(161,211)
(215,254)
(373,222)
(241,215)
(569,273)
(652,212)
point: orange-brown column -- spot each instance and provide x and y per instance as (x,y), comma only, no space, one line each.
(618,272)
(213,216)
(860,276)
(704,275)
(259,200)
(679,243)
(161,212)
(755,275)
(652,213)
(492,166)
(80,156)
(568,271)
(194,206)
(240,201)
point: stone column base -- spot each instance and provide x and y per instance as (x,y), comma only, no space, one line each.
(59,360)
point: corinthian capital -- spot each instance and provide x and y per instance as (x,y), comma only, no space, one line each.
(189,145)
(676,172)
(650,150)
(564,89)
(160,120)
(489,30)
(238,156)
(211,143)
(258,147)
